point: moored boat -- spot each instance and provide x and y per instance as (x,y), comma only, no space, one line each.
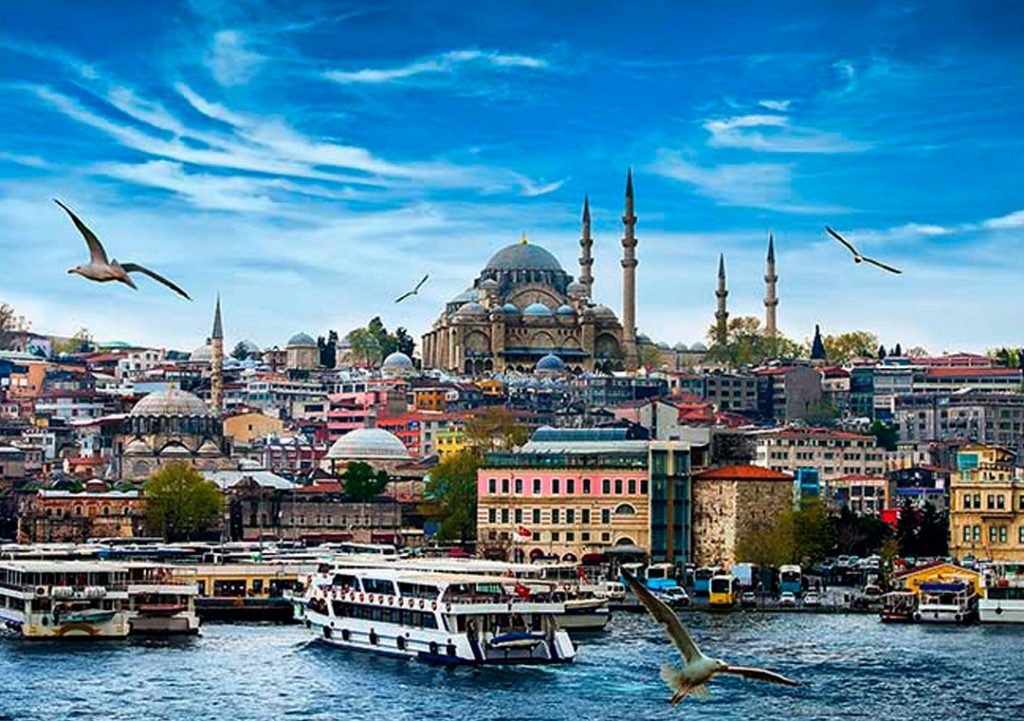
(898,607)
(946,603)
(443,618)
(1003,599)
(160,604)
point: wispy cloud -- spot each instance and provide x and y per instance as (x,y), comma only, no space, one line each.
(1003,222)
(780,106)
(31,161)
(231,59)
(775,134)
(445,63)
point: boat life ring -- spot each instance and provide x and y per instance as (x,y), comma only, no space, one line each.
(380,600)
(422,603)
(391,600)
(433,606)
(566,587)
(957,617)
(41,590)
(361,597)
(448,607)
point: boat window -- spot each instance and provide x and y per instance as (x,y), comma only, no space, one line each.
(416,590)
(378,585)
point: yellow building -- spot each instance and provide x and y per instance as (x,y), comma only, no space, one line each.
(450,442)
(986,505)
(247,427)
(912,579)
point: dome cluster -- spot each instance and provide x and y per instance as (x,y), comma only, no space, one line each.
(369,444)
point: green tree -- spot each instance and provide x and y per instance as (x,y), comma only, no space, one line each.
(386,342)
(240,351)
(813,537)
(450,496)
(821,414)
(650,357)
(769,545)
(362,482)
(853,344)
(404,342)
(180,503)
(886,434)
(8,325)
(746,344)
(917,352)
(365,348)
(908,529)
(494,428)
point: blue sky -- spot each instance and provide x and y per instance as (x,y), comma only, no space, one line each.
(310,161)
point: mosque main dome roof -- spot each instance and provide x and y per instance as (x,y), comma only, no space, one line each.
(523,256)
(172,402)
(371,444)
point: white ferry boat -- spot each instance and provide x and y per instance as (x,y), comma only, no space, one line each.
(1003,601)
(946,603)
(64,599)
(159,604)
(439,618)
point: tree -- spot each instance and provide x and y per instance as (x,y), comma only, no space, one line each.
(364,346)
(933,532)
(822,413)
(881,352)
(846,346)
(386,342)
(495,428)
(328,349)
(180,503)
(80,342)
(450,496)
(405,342)
(803,536)
(9,323)
(813,537)
(859,535)
(650,357)
(769,546)
(362,482)
(886,434)
(917,352)
(240,351)
(746,344)
(908,529)
(898,351)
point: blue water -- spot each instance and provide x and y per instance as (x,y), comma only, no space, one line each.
(851,666)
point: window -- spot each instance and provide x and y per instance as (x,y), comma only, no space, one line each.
(1000,501)
(504,485)
(977,500)
(536,486)
(1002,534)
(605,537)
(570,515)
(504,515)
(492,486)
(1020,535)
(967,501)
(518,515)
(585,536)
(991,500)
(631,486)
(977,533)
(967,532)
(606,516)
(536,515)
(570,536)
(519,486)
(554,515)
(585,514)
(625,509)
(570,486)
(618,486)
(991,534)
(606,486)
(555,483)
(554,535)
(643,488)
(586,490)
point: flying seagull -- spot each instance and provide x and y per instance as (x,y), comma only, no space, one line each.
(699,669)
(857,257)
(102,270)
(414,291)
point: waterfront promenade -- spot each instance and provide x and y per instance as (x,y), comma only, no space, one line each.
(852,667)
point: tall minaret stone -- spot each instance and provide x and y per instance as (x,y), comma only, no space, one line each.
(771,299)
(629,263)
(586,259)
(217,370)
(721,313)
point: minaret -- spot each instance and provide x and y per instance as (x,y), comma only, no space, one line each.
(771,300)
(586,243)
(629,280)
(217,374)
(721,314)
(818,354)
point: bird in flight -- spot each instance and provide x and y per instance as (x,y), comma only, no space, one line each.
(857,257)
(414,291)
(102,270)
(699,669)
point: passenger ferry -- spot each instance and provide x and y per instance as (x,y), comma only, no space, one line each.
(946,603)
(439,618)
(250,591)
(1003,601)
(64,599)
(159,604)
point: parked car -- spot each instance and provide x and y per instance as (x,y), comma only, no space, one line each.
(748,599)
(675,597)
(811,598)
(788,598)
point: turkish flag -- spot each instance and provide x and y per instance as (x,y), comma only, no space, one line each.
(522,591)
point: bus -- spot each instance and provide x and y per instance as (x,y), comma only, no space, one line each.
(791,580)
(702,580)
(656,577)
(722,591)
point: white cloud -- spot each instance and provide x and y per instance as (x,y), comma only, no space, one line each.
(777,105)
(530,189)
(752,185)
(230,59)
(775,134)
(445,63)
(1012,220)
(31,161)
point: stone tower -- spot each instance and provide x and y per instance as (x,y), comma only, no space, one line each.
(721,314)
(771,300)
(629,262)
(217,371)
(586,259)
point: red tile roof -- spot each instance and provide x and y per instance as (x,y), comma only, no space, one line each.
(744,473)
(943,372)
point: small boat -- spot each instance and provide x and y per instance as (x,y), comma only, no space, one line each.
(898,607)
(1003,601)
(946,603)
(515,639)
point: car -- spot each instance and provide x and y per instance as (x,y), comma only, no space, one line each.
(674,596)
(811,598)
(748,599)
(788,598)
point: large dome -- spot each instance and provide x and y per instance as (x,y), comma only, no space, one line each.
(202,354)
(171,402)
(397,362)
(523,256)
(369,444)
(301,340)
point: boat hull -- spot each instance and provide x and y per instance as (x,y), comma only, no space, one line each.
(1001,611)
(162,625)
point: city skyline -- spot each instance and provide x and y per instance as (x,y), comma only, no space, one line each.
(310,165)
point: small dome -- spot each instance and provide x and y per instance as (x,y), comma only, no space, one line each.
(550,364)
(202,354)
(681,347)
(470,309)
(488,284)
(209,449)
(466,296)
(301,340)
(172,402)
(175,450)
(510,308)
(565,310)
(664,346)
(603,311)
(138,447)
(523,256)
(698,347)
(643,338)
(537,309)
(369,444)
(397,362)
(576,289)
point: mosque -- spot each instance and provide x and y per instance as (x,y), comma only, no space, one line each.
(524,308)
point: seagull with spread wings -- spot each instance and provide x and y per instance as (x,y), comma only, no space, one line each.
(857,256)
(414,291)
(699,669)
(102,270)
